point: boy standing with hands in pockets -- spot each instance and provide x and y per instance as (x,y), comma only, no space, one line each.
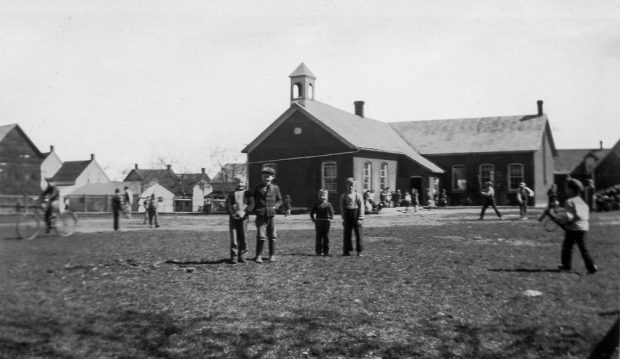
(322,214)
(352,211)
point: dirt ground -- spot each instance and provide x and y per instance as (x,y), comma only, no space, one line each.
(94,223)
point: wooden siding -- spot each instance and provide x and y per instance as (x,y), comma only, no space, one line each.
(472,164)
(20,165)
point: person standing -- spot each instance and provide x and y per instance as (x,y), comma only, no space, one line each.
(288,205)
(588,193)
(127,202)
(415,199)
(51,197)
(267,200)
(523,195)
(117,207)
(352,212)
(407,201)
(322,213)
(239,205)
(575,221)
(488,195)
(552,198)
(152,211)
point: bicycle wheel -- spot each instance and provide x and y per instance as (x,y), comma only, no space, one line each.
(65,224)
(28,226)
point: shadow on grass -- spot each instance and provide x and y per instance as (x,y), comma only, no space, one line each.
(127,333)
(529,270)
(194,262)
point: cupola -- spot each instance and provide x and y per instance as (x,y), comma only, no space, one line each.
(302,84)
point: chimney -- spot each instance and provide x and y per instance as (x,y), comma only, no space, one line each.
(169,167)
(600,143)
(202,170)
(135,166)
(92,156)
(540,107)
(359,108)
(51,148)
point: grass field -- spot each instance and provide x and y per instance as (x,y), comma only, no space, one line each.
(448,288)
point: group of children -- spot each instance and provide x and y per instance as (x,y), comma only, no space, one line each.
(122,204)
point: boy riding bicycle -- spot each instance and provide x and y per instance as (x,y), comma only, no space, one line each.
(50,201)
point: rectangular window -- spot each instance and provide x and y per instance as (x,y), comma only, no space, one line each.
(383,175)
(329,176)
(487,173)
(459,183)
(515,175)
(367,177)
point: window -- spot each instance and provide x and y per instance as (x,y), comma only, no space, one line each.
(459,183)
(487,173)
(329,176)
(515,175)
(310,91)
(297,90)
(383,176)
(367,176)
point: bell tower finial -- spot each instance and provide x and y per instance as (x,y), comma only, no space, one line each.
(302,84)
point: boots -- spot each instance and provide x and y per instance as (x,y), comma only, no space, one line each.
(272,250)
(259,251)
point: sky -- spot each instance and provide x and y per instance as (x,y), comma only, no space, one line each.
(190,83)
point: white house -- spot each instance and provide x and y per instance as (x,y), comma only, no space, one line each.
(50,165)
(163,195)
(75,174)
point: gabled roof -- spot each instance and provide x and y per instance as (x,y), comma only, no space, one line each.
(302,70)
(568,160)
(614,151)
(358,133)
(229,172)
(6,129)
(476,135)
(165,177)
(70,171)
(99,189)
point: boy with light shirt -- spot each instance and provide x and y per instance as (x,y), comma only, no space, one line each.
(575,222)
(239,205)
(352,212)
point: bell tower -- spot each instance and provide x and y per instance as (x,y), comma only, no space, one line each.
(302,84)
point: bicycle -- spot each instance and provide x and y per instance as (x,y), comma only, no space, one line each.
(29,224)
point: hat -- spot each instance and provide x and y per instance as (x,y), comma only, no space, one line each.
(268,170)
(350,180)
(575,185)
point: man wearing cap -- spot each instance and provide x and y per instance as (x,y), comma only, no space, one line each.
(352,212)
(267,200)
(51,196)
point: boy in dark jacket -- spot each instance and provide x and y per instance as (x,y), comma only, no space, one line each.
(322,214)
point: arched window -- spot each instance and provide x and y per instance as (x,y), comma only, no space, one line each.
(298,90)
(486,173)
(515,176)
(459,183)
(383,176)
(329,178)
(310,92)
(367,176)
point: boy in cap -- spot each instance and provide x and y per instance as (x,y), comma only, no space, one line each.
(117,204)
(523,194)
(239,204)
(488,193)
(352,211)
(322,213)
(267,200)
(51,196)
(575,222)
